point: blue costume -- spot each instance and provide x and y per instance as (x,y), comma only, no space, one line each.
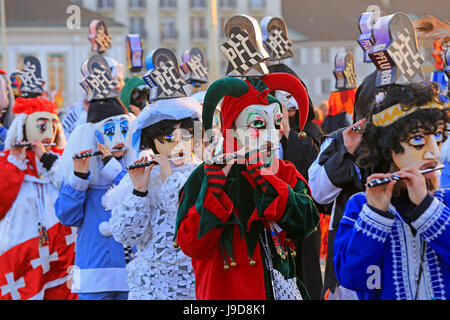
(3,133)
(378,254)
(100,260)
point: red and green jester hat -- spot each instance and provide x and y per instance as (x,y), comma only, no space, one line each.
(227,223)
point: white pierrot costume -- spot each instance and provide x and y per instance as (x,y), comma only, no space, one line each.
(36,251)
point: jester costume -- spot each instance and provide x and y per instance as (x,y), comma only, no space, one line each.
(237,228)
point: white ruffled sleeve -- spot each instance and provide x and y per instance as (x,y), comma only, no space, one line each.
(168,194)
(130,221)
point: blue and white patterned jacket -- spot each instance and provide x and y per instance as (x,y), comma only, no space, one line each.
(379,256)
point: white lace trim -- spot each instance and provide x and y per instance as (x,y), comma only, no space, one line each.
(159,271)
(285,289)
(22,165)
(405,250)
(433,221)
(373,225)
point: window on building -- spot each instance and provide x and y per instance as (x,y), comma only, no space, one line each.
(136,4)
(325,86)
(105,4)
(137,25)
(324,55)
(198,28)
(55,73)
(227,3)
(198,4)
(167,4)
(168,28)
(257,4)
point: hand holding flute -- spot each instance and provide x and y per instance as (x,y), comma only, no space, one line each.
(379,193)
(241,154)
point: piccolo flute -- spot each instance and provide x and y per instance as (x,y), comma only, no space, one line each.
(27,144)
(378,182)
(148,163)
(92,154)
(220,158)
(357,128)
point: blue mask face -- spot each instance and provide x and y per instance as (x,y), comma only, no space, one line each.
(112,131)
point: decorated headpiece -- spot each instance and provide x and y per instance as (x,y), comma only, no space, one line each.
(244,48)
(238,94)
(431,31)
(98,83)
(344,71)
(99,36)
(15,83)
(164,75)
(398,111)
(31,81)
(395,52)
(194,67)
(135,53)
(275,38)
(38,104)
(366,40)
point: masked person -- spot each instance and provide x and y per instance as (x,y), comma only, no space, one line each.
(36,251)
(301,147)
(135,94)
(236,221)
(100,261)
(6,103)
(393,240)
(144,205)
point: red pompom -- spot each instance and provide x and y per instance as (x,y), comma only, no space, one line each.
(32,105)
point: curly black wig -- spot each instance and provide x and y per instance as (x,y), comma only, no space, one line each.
(161,129)
(378,142)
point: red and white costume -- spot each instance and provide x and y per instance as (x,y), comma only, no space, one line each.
(36,251)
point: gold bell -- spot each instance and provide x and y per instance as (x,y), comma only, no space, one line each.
(302,135)
(233,263)
(293,253)
(252,262)
(226,267)
(175,244)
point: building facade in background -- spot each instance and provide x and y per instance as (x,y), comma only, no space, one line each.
(180,24)
(39,28)
(319,31)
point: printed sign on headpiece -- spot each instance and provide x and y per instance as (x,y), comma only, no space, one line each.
(98,82)
(344,71)
(164,75)
(244,49)
(396,53)
(99,36)
(135,52)
(194,67)
(365,40)
(30,76)
(275,38)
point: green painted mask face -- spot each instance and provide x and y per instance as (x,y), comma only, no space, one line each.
(258,126)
